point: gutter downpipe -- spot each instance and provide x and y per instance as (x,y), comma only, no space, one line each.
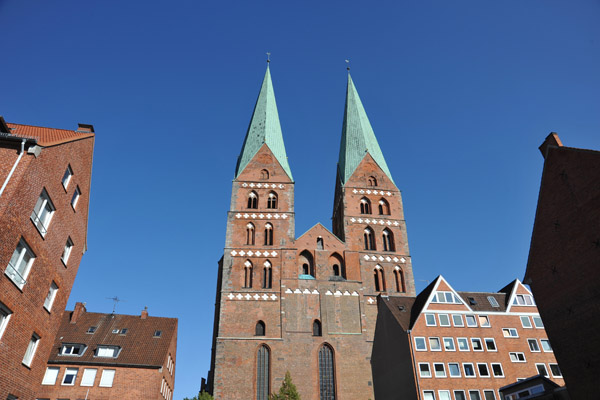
(14,167)
(412,354)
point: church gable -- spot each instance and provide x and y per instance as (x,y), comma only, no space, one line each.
(320,238)
(369,174)
(264,166)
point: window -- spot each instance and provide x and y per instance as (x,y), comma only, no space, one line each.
(107,351)
(75,198)
(493,301)
(497,370)
(420,344)
(379,279)
(546,345)
(490,344)
(445,297)
(308,269)
(469,370)
(365,206)
(444,394)
(247,274)
(523,300)
(91,329)
(42,213)
(440,371)
(483,370)
(31,348)
(430,319)
(384,207)
(67,177)
(457,320)
(320,244)
(542,369)
(106,380)
(517,357)
(260,329)
(484,321)
(267,275)
(157,334)
(489,395)
(317,328)
(434,344)
(326,373)
(263,378)
(89,375)
(525,321)
(250,234)
(449,344)
(272,201)
(264,174)
(388,240)
(463,344)
(471,321)
(474,395)
(123,331)
(454,370)
(369,239)
(428,395)
(444,319)
(51,296)
(555,370)
(69,376)
(510,332)
(399,277)
(268,234)
(5,314)
(50,376)
(537,321)
(424,371)
(533,345)
(72,349)
(252,200)
(372,181)
(476,343)
(20,264)
(67,251)
(459,395)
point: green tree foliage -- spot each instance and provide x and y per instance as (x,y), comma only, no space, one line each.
(287,391)
(201,396)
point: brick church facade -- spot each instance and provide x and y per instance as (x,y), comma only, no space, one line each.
(306,304)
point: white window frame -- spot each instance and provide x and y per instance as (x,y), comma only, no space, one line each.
(66,179)
(5,314)
(447,318)
(75,198)
(494,373)
(42,213)
(552,372)
(435,372)
(18,269)
(473,340)
(510,333)
(107,378)
(439,344)
(431,392)
(547,374)
(462,322)
(451,340)
(460,391)
(489,391)
(474,324)
(466,340)
(450,370)
(427,316)
(516,353)
(537,346)
(521,300)
(51,296)
(486,368)
(69,372)
(51,372)
(491,340)
(472,368)
(428,369)
(31,349)
(474,391)
(544,342)
(89,377)
(527,325)
(67,251)
(536,318)
(441,296)
(446,394)
(101,348)
(67,349)
(424,342)
(485,318)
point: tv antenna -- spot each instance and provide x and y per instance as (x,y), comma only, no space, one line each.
(116,300)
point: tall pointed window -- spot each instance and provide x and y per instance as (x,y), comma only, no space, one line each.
(264,174)
(326,373)
(252,200)
(272,200)
(388,240)
(372,181)
(268,234)
(263,371)
(267,275)
(384,207)
(379,279)
(250,233)
(247,274)
(369,237)
(365,206)
(399,276)
(260,329)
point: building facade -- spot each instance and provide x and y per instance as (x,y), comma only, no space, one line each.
(449,345)
(562,269)
(45,175)
(111,356)
(305,304)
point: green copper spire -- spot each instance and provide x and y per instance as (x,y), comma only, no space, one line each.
(358,137)
(264,128)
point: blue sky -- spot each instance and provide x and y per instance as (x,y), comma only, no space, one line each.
(460,95)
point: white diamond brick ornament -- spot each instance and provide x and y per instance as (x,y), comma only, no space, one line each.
(284,216)
(261,216)
(389,223)
(361,191)
(337,293)
(256,297)
(273,253)
(373,258)
(258,253)
(247,263)
(258,185)
(306,291)
(246,215)
(242,252)
(247,297)
(354,294)
(265,297)
(360,220)
(244,184)
(250,253)
(273,186)
(371,301)
(315,291)
(395,259)
(346,293)
(252,185)
(353,219)
(380,258)
(388,259)
(273,297)
(388,193)
(381,222)
(231,296)
(298,291)
(253,216)
(238,215)
(355,191)
(289,291)
(276,216)
(269,216)
(366,257)
(367,220)
(239,296)
(233,253)
(328,293)
(402,260)
(280,186)
(396,223)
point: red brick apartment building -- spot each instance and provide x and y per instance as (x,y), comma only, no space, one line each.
(111,356)
(306,304)
(563,267)
(45,175)
(448,345)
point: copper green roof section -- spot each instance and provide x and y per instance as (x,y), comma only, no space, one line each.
(264,128)
(358,137)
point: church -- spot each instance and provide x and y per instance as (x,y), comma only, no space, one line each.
(306,304)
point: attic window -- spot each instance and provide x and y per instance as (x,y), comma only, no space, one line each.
(445,297)
(91,329)
(123,331)
(402,308)
(115,331)
(493,301)
(157,333)
(472,301)
(72,349)
(107,351)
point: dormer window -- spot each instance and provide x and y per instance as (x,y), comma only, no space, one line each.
(91,329)
(108,351)
(445,297)
(72,349)
(122,331)
(157,333)
(523,300)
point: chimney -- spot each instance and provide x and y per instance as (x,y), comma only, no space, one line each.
(144,313)
(552,140)
(79,309)
(87,128)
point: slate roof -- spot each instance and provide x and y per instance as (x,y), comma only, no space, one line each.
(482,302)
(402,308)
(47,136)
(264,128)
(358,137)
(139,347)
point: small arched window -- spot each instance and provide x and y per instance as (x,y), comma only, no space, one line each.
(267,275)
(379,279)
(263,373)
(307,266)
(264,174)
(272,200)
(260,329)
(336,270)
(372,181)
(250,233)
(317,328)
(384,207)
(365,206)
(369,237)
(326,373)
(399,279)
(252,200)
(388,240)
(247,274)
(268,234)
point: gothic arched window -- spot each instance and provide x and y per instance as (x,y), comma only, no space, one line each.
(317,328)
(399,280)
(247,274)
(365,206)
(267,275)
(379,279)
(250,233)
(369,237)
(268,234)
(372,181)
(264,174)
(263,372)
(272,200)
(307,266)
(260,329)
(326,373)
(384,207)
(388,240)
(252,200)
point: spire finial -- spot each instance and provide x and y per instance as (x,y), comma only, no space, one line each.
(268,57)
(347,65)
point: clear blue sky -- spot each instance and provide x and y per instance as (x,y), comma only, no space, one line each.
(460,95)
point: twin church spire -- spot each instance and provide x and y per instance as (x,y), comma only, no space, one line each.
(358,137)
